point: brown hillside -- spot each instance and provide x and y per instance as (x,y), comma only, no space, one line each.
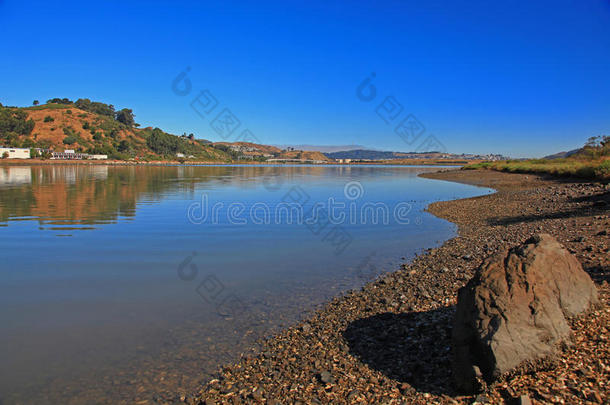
(60,127)
(253,149)
(52,133)
(299,154)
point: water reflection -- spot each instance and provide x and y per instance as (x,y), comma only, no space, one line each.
(80,197)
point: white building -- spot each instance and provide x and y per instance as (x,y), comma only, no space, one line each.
(69,154)
(15,153)
(98,157)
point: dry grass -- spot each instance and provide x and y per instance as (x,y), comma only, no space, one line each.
(598,168)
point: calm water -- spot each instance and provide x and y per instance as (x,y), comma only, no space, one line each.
(120,284)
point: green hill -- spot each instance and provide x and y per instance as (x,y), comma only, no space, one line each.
(97,128)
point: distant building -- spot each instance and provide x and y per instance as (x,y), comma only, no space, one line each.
(344,160)
(69,155)
(15,153)
(180,155)
(98,157)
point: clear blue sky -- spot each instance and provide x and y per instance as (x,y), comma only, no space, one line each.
(519,78)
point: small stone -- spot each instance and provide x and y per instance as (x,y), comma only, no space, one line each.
(256,396)
(524,400)
(306,328)
(467,257)
(481,399)
(594,396)
(326,377)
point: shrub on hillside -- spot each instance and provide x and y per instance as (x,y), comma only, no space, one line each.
(123,146)
(69,140)
(603,170)
(125,116)
(13,124)
(48,118)
(28,143)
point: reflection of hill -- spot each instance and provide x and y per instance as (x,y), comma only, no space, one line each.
(70,196)
(79,195)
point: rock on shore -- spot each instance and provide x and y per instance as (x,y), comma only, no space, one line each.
(515,309)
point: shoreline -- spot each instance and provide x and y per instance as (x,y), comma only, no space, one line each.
(39,162)
(390,341)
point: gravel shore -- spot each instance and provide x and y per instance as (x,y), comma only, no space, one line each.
(389,343)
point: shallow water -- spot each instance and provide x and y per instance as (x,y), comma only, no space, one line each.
(125,283)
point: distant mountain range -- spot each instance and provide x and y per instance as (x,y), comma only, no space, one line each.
(368,154)
(561,155)
(323,148)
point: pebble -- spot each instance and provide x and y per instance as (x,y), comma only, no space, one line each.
(326,377)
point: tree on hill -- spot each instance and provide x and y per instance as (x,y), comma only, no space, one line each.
(125,116)
(95,107)
(35,102)
(123,146)
(13,124)
(59,101)
(162,143)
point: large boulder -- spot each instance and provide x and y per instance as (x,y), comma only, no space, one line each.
(514,310)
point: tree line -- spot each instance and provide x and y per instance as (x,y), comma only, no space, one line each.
(124,116)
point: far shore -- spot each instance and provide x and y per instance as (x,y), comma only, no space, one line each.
(34,162)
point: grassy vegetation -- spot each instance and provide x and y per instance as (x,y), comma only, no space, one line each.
(50,106)
(591,162)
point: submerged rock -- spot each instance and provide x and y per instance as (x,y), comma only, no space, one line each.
(515,308)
